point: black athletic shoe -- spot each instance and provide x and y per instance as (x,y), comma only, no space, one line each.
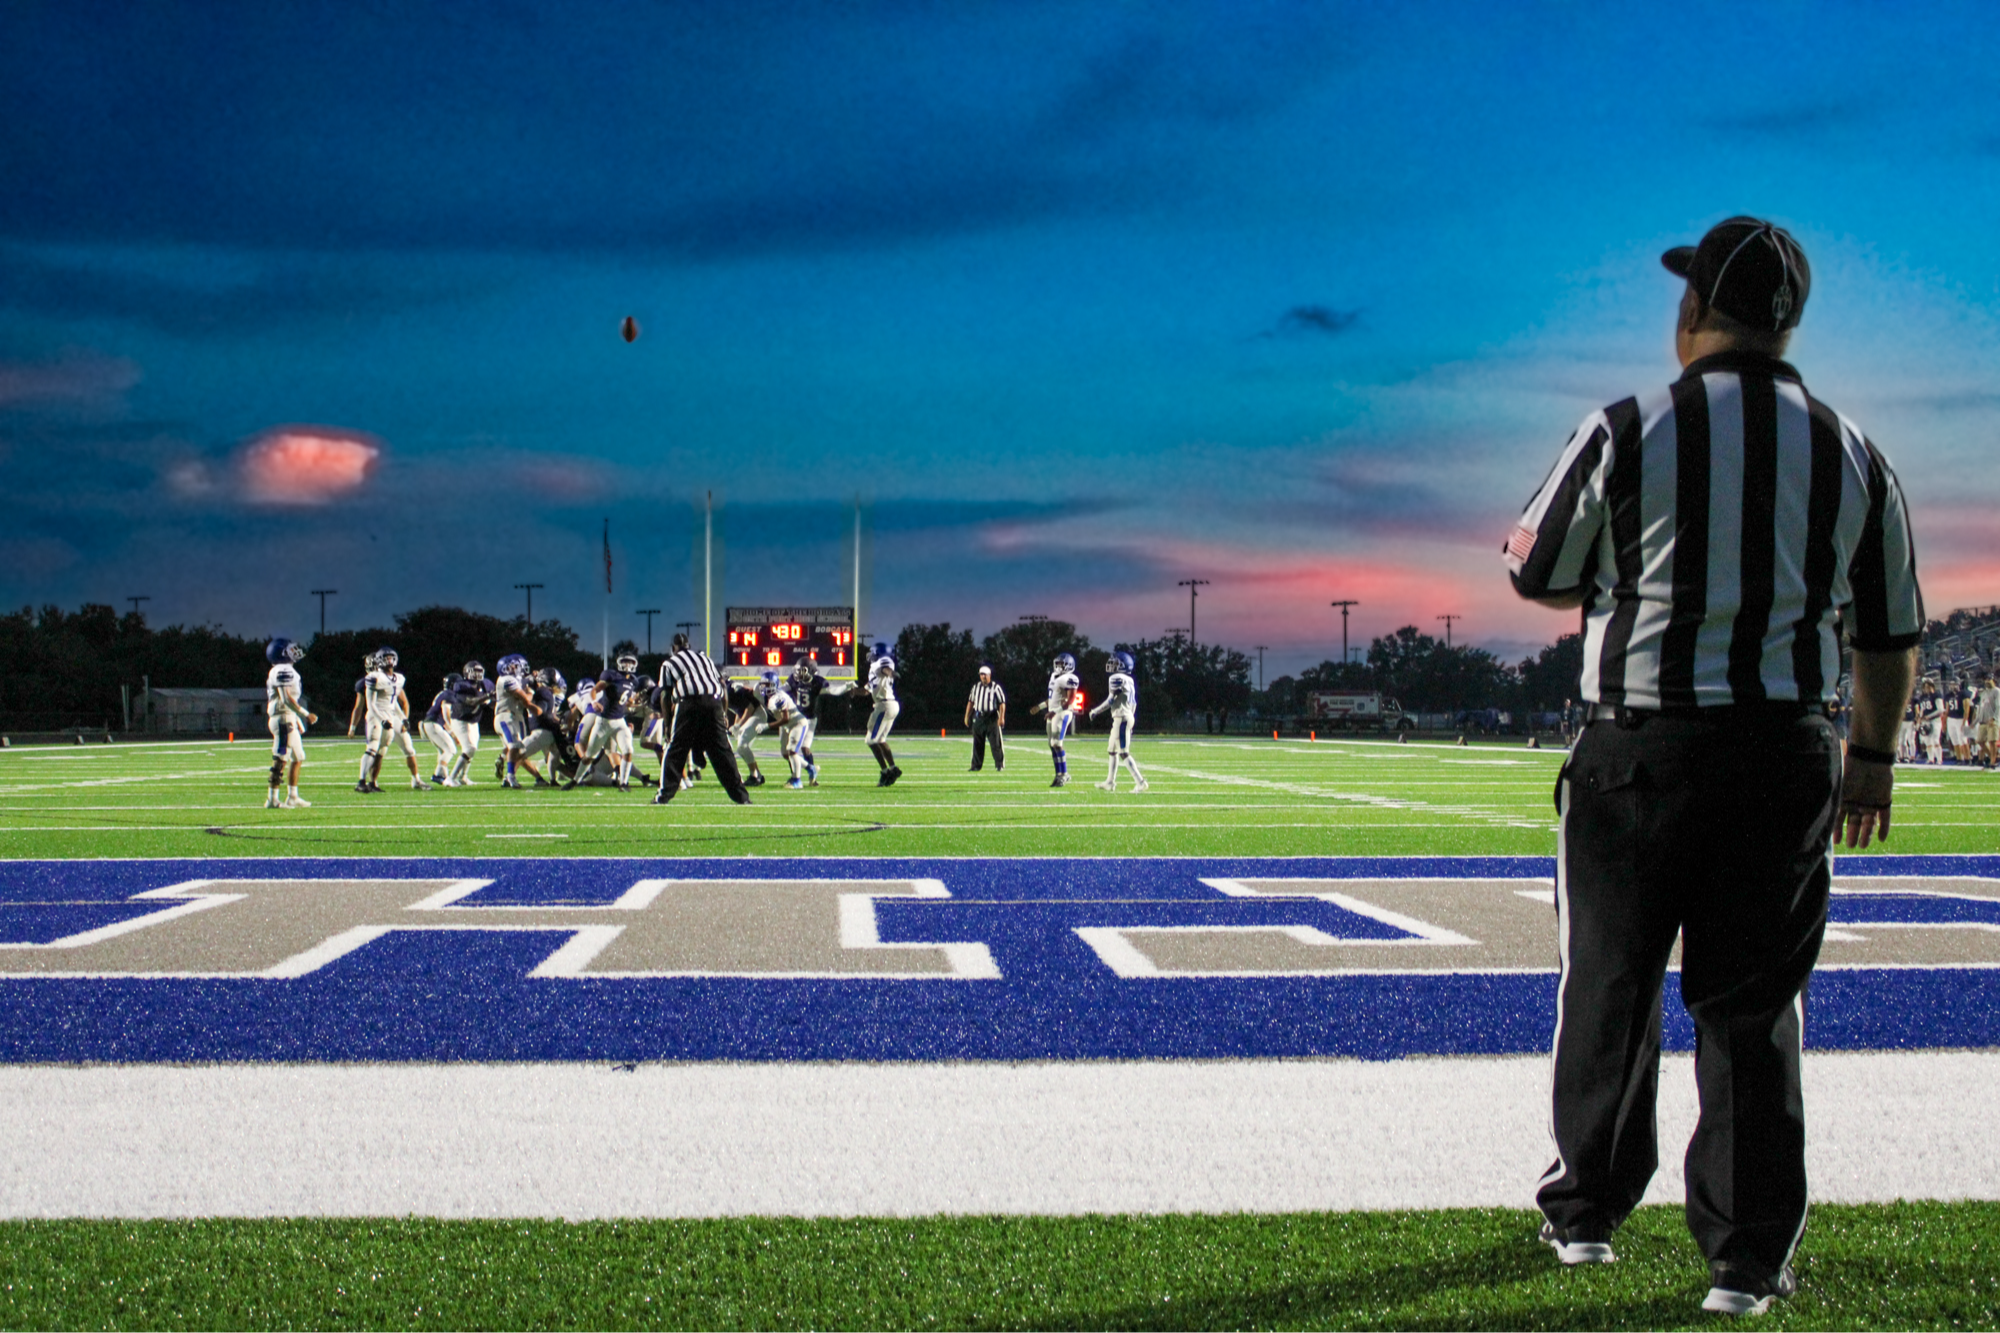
(892,775)
(361,787)
(744,799)
(1736,1290)
(663,795)
(883,780)
(543,782)
(1575,1247)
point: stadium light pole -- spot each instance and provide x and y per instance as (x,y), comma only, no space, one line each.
(1192,585)
(530,587)
(649,612)
(1343,626)
(142,597)
(323,594)
(1447,619)
(1260,666)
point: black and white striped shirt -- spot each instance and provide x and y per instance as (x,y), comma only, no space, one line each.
(690,675)
(987,696)
(1716,528)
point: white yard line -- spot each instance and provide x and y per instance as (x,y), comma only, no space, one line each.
(1357,798)
(589,1141)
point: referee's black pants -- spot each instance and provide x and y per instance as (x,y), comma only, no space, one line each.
(986,727)
(1718,830)
(699,728)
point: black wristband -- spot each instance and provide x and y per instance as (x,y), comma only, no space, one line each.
(1862,752)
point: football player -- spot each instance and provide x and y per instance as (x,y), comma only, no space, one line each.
(1930,721)
(474,693)
(549,730)
(1061,706)
(286,711)
(1986,721)
(513,706)
(882,689)
(807,685)
(744,708)
(1122,699)
(437,730)
(781,713)
(612,697)
(388,722)
(1955,731)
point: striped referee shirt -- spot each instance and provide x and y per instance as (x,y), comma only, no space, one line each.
(987,696)
(690,675)
(1716,529)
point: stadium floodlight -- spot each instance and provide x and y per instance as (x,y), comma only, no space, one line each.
(1447,619)
(142,597)
(649,612)
(323,594)
(1260,665)
(1343,626)
(1192,585)
(530,587)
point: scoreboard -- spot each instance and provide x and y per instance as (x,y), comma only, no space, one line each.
(764,638)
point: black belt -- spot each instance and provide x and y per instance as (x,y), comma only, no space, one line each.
(1767,710)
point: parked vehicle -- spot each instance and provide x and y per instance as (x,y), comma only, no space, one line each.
(1357,710)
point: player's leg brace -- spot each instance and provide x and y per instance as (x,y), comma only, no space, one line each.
(1058,740)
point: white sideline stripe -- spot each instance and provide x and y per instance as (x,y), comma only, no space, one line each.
(710,1140)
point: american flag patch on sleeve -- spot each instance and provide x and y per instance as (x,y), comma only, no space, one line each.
(1522,543)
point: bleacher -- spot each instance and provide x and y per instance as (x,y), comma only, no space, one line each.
(1964,643)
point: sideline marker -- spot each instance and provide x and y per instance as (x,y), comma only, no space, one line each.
(1315,735)
(232,738)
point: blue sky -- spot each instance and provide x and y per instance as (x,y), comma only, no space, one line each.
(1079,300)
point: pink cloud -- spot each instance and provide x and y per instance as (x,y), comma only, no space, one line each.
(306,465)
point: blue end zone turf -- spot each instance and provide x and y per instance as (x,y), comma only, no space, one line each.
(465,993)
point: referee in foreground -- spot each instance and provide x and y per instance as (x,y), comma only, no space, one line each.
(986,714)
(691,690)
(1717,534)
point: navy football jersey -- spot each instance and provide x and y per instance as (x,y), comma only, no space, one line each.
(438,704)
(621,691)
(472,698)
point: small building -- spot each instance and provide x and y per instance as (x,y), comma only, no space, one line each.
(203,712)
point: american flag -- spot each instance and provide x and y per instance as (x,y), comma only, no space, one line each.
(1519,545)
(607,555)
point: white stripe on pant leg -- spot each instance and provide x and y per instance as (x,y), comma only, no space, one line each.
(1561,1167)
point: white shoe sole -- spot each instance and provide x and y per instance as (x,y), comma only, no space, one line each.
(1721,1300)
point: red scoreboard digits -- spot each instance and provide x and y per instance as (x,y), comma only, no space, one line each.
(762,638)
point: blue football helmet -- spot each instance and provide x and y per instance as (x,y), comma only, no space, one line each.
(280,651)
(451,681)
(1119,661)
(881,650)
(513,664)
(1064,663)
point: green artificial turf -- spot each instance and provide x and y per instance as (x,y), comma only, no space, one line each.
(1239,796)
(1913,1265)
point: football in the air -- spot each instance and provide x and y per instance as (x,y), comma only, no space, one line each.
(629,329)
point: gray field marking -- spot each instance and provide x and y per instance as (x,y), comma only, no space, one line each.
(597,1141)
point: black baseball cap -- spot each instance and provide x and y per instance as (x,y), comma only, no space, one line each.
(1749,269)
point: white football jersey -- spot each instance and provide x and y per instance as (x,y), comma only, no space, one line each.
(1124,696)
(383,687)
(1063,686)
(780,702)
(281,690)
(882,680)
(507,704)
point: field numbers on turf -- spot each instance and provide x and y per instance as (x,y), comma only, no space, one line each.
(287,928)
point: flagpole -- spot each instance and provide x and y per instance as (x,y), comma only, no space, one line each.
(708,578)
(606,643)
(857,587)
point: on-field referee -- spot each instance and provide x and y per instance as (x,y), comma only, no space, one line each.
(986,714)
(1716,534)
(691,690)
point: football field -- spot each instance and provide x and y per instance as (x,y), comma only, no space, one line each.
(1261,1046)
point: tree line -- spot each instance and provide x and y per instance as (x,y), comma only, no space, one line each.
(65,668)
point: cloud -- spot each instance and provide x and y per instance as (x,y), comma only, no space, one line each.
(306,465)
(274,293)
(1313,321)
(1795,121)
(75,378)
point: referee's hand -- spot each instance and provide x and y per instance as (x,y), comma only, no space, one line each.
(1866,788)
